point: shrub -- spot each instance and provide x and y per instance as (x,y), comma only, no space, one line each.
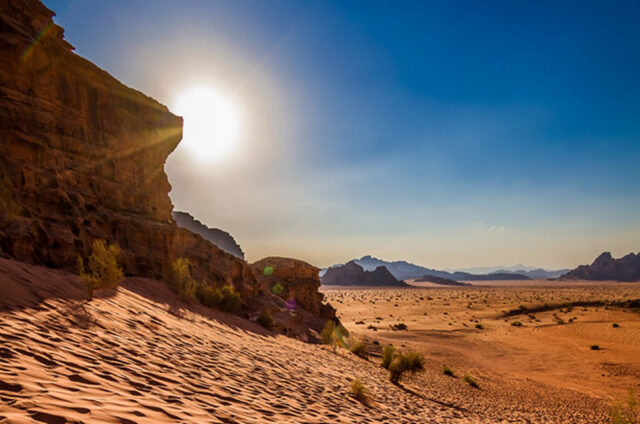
(624,412)
(207,295)
(615,325)
(388,353)
(182,282)
(479,326)
(594,347)
(102,270)
(399,327)
(516,324)
(333,334)
(411,362)
(359,349)
(447,371)
(265,319)
(358,391)
(470,381)
(230,300)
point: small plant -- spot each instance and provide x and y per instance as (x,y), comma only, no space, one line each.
(102,270)
(399,327)
(447,371)
(411,362)
(359,392)
(230,300)
(470,381)
(388,353)
(265,319)
(615,325)
(479,326)
(182,282)
(624,412)
(594,347)
(333,334)
(359,349)
(516,324)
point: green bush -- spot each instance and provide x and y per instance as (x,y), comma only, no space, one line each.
(411,362)
(265,319)
(181,281)
(327,333)
(388,354)
(230,300)
(470,381)
(447,371)
(359,349)
(102,270)
(358,391)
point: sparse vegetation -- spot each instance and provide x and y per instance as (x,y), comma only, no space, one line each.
(265,319)
(594,347)
(333,334)
(516,324)
(468,378)
(615,325)
(388,353)
(102,270)
(625,412)
(359,392)
(399,326)
(182,282)
(479,326)
(447,371)
(410,362)
(359,349)
(224,298)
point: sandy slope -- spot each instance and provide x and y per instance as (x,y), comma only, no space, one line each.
(138,356)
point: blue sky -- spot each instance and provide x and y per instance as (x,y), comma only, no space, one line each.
(451,134)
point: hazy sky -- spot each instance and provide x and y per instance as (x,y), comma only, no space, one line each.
(450,134)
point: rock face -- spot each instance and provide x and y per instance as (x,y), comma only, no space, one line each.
(605,267)
(295,283)
(352,274)
(293,279)
(220,238)
(82,157)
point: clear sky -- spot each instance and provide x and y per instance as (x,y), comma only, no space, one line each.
(447,133)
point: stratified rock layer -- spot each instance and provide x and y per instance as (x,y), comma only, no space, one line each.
(82,157)
(605,267)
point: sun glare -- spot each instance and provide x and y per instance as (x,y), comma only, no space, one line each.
(211,128)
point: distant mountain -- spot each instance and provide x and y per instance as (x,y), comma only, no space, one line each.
(404,270)
(220,238)
(438,280)
(605,267)
(352,274)
(536,274)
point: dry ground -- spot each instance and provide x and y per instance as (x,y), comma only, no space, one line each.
(539,370)
(142,356)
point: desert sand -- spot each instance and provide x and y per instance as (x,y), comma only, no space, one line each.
(531,366)
(141,355)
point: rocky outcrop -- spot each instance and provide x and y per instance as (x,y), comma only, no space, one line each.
(352,274)
(439,280)
(82,157)
(300,310)
(220,238)
(293,279)
(605,267)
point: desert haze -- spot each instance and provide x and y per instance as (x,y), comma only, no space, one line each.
(145,269)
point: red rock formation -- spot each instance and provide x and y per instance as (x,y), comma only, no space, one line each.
(293,279)
(82,157)
(352,274)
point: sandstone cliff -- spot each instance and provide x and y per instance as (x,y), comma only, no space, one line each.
(605,267)
(82,157)
(222,239)
(352,274)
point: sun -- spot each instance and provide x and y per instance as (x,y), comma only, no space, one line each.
(211,128)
